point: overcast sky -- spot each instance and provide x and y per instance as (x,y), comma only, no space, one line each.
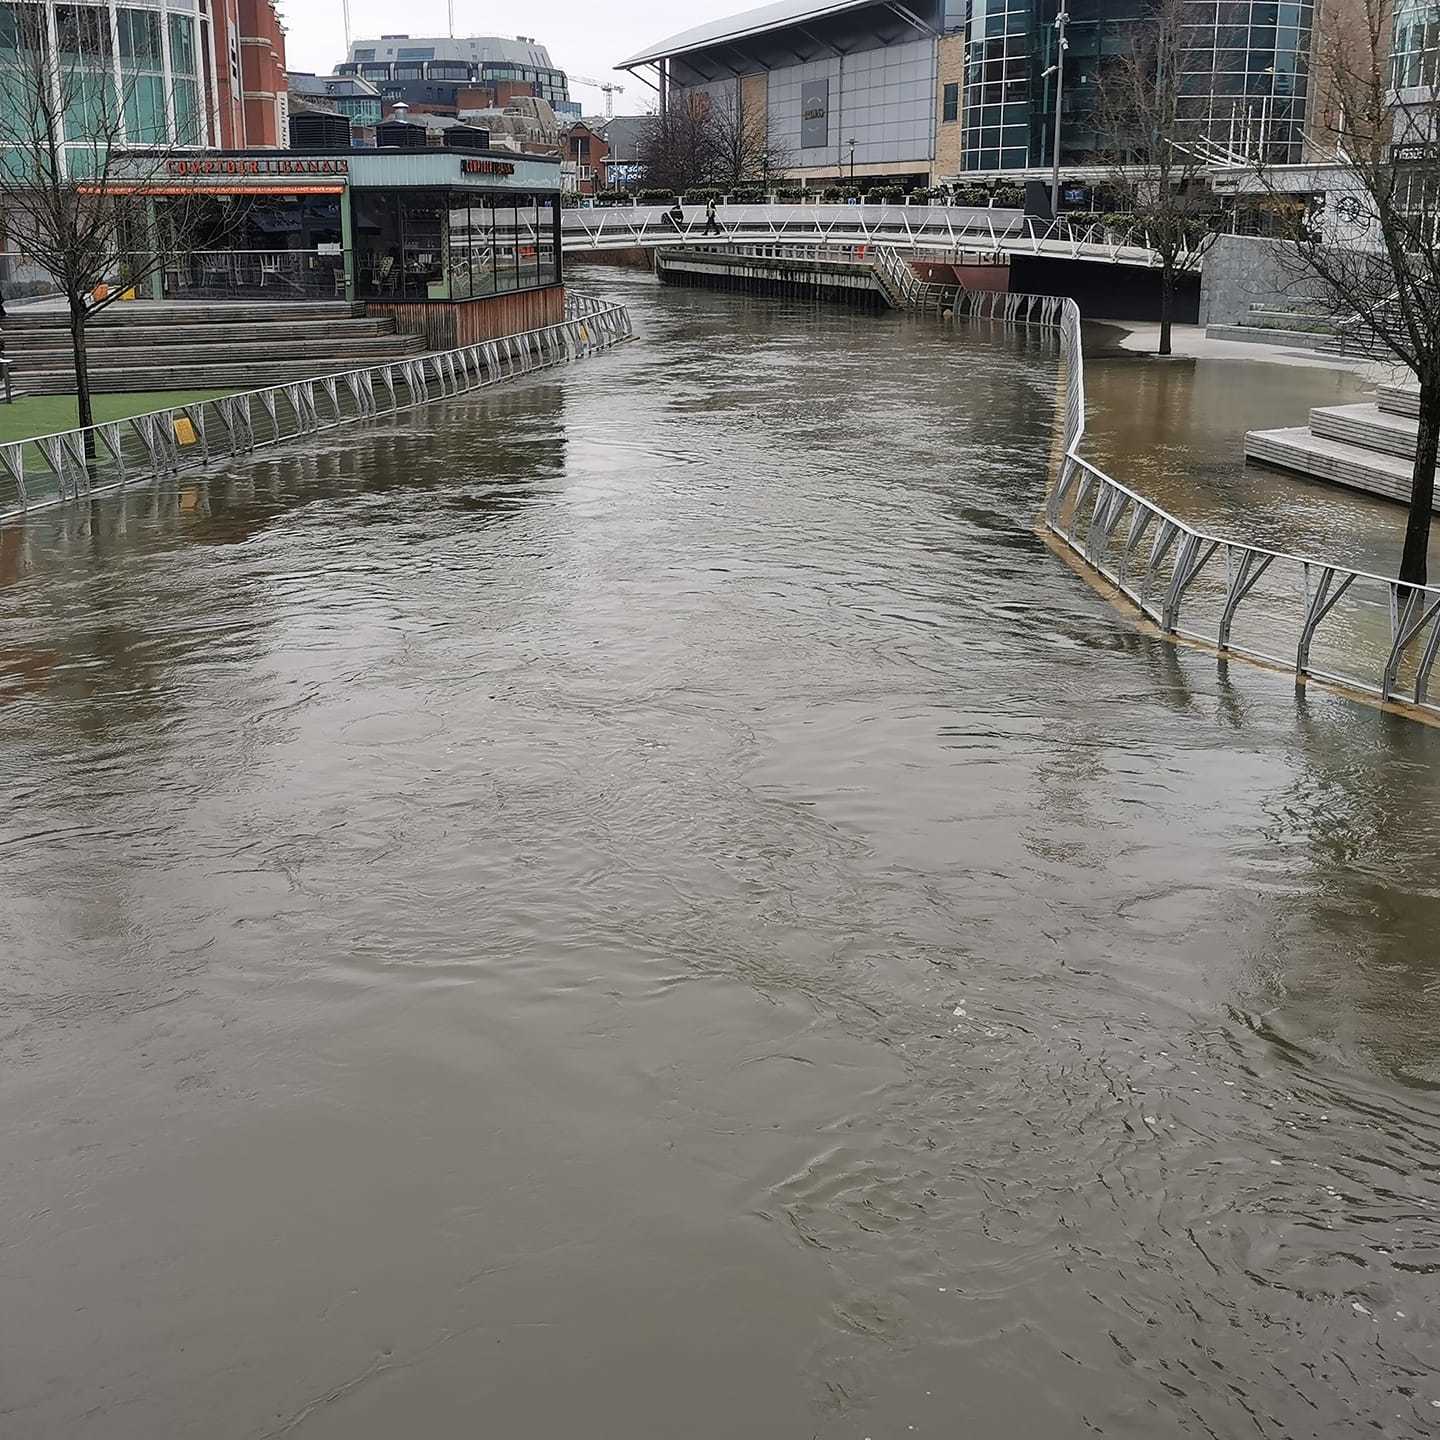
(583,37)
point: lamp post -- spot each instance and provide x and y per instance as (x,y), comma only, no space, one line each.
(1061,21)
(1267,107)
(851,143)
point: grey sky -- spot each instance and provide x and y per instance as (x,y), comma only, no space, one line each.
(583,38)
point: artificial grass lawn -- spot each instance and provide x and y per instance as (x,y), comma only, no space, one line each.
(31,415)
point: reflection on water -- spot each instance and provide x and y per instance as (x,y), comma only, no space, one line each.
(647,903)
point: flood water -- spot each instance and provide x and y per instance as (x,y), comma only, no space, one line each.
(647,903)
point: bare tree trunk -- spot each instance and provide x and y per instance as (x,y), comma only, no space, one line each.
(1167,302)
(1415,556)
(78,317)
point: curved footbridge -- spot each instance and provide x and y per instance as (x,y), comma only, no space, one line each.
(906,228)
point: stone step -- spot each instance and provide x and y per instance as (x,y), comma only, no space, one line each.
(1400,400)
(183,352)
(239,312)
(118,337)
(1294,320)
(1368,427)
(1259,335)
(194,377)
(1293,305)
(1299,451)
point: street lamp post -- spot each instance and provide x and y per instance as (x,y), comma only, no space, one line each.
(1061,21)
(851,143)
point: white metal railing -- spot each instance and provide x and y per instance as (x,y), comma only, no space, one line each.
(1368,633)
(949,227)
(78,464)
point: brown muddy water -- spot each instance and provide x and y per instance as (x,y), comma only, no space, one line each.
(646,903)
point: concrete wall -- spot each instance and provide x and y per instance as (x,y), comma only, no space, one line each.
(1241,270)
(1103,291)
(883,99)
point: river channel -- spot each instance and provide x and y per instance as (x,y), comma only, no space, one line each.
(647,903)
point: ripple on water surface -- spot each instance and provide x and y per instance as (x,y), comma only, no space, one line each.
(646,901)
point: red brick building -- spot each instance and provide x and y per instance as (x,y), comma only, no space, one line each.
(252,95)
(586,154)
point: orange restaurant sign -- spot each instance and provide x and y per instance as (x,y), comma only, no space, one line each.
(267,168)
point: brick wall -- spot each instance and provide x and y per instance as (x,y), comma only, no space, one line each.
(950,63)
(262,66)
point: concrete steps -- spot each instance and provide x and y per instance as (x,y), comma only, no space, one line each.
(240,312)
(1368,447)
(241,346)
(216,376)
(1399,400)
(183,351)
(1326,342)
(1352,466)
(1368,427)
(119,340)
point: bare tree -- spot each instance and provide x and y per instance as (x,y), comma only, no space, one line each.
(676,151)
(76,185)
(700,140)
(743,150)
(1157,151)
(1371,251)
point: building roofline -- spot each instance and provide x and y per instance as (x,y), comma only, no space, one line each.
(778,16)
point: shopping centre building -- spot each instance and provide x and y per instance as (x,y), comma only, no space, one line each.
(923,92)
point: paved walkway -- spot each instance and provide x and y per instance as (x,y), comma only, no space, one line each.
(1191,342)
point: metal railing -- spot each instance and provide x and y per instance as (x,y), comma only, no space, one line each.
(78,464)
(1364,632)
(949,227)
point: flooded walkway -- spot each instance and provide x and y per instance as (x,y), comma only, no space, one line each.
(647,903)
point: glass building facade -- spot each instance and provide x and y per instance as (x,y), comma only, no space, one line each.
(1415,56)
(1244,89)
(145,62)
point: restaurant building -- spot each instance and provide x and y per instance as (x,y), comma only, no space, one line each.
(459,246)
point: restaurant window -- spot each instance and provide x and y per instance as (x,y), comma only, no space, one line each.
(471,264)
(549,244)
(378,271)
(422,225)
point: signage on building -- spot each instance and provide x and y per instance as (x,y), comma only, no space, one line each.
(814,114)
(219,166)
(1414,154)
(486,167)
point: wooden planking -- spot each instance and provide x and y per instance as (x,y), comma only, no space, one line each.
(447,324)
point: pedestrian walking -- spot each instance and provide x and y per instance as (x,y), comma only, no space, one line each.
(712,223)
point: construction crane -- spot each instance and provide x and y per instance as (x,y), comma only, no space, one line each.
(609,87)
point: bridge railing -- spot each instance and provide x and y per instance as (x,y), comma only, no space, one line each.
(947,227)
(1312,617)
(77,464)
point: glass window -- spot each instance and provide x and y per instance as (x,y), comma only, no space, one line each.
(140,40)
(189,119)
(422,228)
(378,272)
(182,45)
(507,258)
(951,111)
(547,221)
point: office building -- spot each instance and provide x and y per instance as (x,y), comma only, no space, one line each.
(430,73)
(1244,89)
